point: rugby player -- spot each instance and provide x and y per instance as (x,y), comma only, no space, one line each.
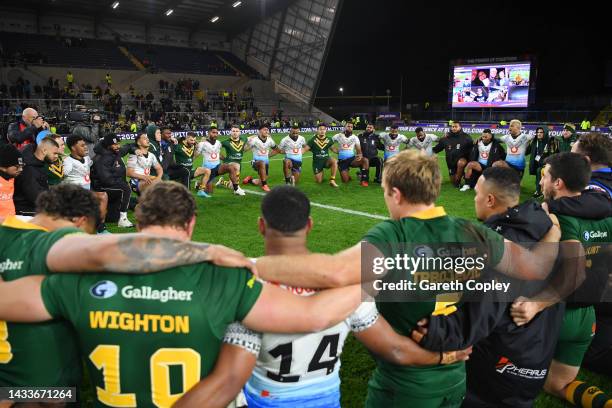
(516,144)
(348,143)
(77,170)
(423,141)
(457,145)
(501,352)
(294,146)
(55,170)
(46,355)
(234,147)
(312,377)
(139,166)
(184,154)
(263,148)
(484,154)
(320,145)
(567,175)
(176,317)
(392,142)
(411,184)
(211,150)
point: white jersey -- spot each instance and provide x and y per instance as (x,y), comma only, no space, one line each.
(78,172)
(347,145)
(484,152)
(292,148)
(314,359)
(142,164)
(516,147)
(211,153)
(426,145)
(392,145)
(261,149)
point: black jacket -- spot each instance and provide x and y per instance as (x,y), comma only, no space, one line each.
(108,169)
(32,181)
(20,134)
(370,144)
(543,148)
(457,145)
(496,153)
(501,348)
(601,180)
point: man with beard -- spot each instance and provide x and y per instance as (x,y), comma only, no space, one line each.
(566,175)
(172,170)
(500,350)
(184,153)
(457,145)
(263,148)
(516,143)
(234,147)
(211,150)
(34,178)
(293,146)
(567,138)
(347,144)
(598,150)
(370,144)
(108,176)
(484,154)
(423,141)
(11,166)
(139,167)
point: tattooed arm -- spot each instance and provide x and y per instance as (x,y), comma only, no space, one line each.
(135,253)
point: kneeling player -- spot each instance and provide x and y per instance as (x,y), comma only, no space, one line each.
(139,166)
(486,152)
(348,143)
(184,154)
(211,150)
(516,143)
(319,145)
(293,146)
(423,141)
(263,148)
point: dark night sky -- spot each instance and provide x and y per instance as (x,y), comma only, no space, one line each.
(377,41)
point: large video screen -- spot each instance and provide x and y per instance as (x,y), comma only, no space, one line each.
(498,85)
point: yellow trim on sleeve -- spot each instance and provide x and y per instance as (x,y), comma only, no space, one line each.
(15,222)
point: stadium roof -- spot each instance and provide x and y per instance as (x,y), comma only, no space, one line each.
(194,14)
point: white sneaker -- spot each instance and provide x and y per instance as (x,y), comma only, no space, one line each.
(218,183)
(239,192)
(464,188)
(125,223)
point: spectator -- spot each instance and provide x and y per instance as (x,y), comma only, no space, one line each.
(11,165)
(34,178)
(24,131)
(70,79)
(108,175)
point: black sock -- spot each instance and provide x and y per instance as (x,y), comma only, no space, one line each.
(235,186)
(287,179)
(365,175)
(263,182)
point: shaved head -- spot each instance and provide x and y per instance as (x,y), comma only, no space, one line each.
(29,114)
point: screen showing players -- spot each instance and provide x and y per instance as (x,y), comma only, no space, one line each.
(499,85)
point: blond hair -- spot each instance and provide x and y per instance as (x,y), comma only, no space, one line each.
(516,121)
(415,175)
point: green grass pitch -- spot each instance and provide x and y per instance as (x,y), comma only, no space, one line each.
(232,220)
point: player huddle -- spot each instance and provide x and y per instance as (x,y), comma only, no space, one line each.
(204,327)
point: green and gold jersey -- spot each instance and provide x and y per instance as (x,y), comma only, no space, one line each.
(320,147)
(147,339)
(55,172)
(183,155)
(234,150)
(425,230)
(595,237)
(44,354)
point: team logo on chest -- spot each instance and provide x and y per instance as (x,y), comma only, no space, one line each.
(57,169)
(213,156)
(346,146)
(321,143)
(237,145)
(514,149)
(484,155)
(296,150)
(188,151)
(391,147)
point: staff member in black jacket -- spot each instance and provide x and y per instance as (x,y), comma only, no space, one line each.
(34,179)
(370,144)
(458,146)
(501,349)
(108,175)
(540,148)
(485,152)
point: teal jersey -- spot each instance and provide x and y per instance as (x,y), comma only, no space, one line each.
(147,339)
(42,354)
(428,227)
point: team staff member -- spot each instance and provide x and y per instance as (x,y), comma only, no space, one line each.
(370,144)
(11,166)
(457,144)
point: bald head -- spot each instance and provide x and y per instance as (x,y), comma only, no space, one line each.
(28,115)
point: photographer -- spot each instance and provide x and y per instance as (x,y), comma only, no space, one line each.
(24,131)
(87,126)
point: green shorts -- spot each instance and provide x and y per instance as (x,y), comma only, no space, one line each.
(234,161)
(379,398)
(575,336)
(319,164)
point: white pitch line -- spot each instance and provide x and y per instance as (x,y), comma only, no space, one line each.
(331,207)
